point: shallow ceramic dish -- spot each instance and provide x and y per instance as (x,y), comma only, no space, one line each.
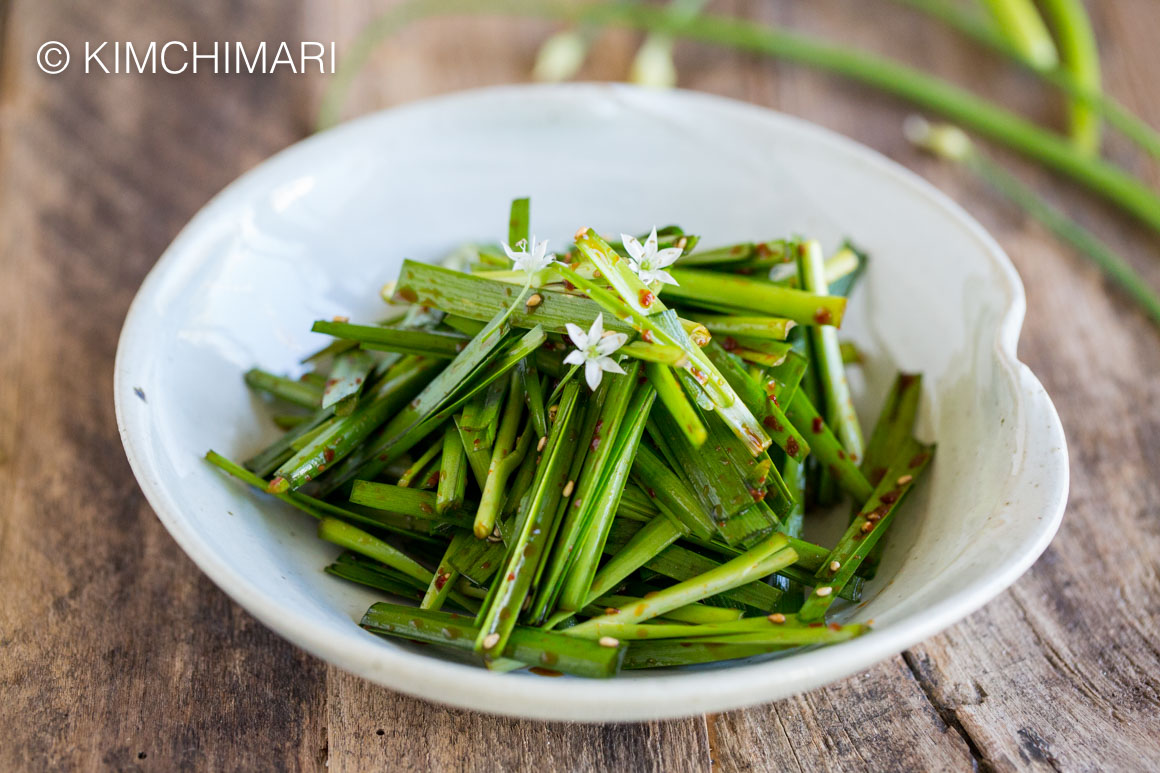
(314,232)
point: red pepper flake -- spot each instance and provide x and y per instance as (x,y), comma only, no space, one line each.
(890,497)
(772,423)
(737,249)
(729,343)
(763,250)
(835,627)
(485,565)
(816,625)
(426,508)
(700,375)
(329,382)
(817,424)
(407,294)
(647,336)
(441,580)
(358,379)
(568,285)
(646,298)
(511,576)
(791,446)
(823,316)
(757,494)
(539,671)
(841,454)
(328,455)
(918,460)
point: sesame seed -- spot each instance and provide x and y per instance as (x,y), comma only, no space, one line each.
(579,232)
(341,318)
(535,300)
(569,487)
(868,526)
(835,566)
(490,640)
(823,591)
(905,479)
(776,617)
(608,641)
(543,442)
(611,611)
(682,242)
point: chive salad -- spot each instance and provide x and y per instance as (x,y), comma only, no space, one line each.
(598,460)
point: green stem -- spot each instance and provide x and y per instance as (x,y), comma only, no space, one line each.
(1020,23)
(530,646)
(763,559)
(953,15)
(1081,59)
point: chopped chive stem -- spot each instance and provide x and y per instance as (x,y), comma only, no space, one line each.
(676,402)
(481,299)
(519,221)
(415,472)
(506,456)
(530,646)
(413,502)
(364,543)
(348,433)
(641,350)
(601,433)
(514,581)
(840,414)
(747,294)
(829,451)
(392,339)
(452,473)
(754,629)
(868,527)
(301,393)
(695,613)
(771,328)
(576,590)
(442,583)
(668,653)
(763,559)
(347,379)
(679,563)
(477,458)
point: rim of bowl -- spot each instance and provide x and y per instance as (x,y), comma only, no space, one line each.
(645,697)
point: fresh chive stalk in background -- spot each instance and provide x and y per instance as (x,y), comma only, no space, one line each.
(952,144)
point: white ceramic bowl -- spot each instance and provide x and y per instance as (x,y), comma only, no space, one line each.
(314,232)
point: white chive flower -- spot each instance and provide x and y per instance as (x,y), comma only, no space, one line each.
(648,262)
(530,257)
(593,349)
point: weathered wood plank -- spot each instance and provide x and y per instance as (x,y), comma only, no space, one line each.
(375,729)
(878,719)
(116,651)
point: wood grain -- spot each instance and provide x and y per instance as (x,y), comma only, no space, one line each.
(116,651)
(112,645)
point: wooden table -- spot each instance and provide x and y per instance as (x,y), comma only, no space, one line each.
(115,651)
